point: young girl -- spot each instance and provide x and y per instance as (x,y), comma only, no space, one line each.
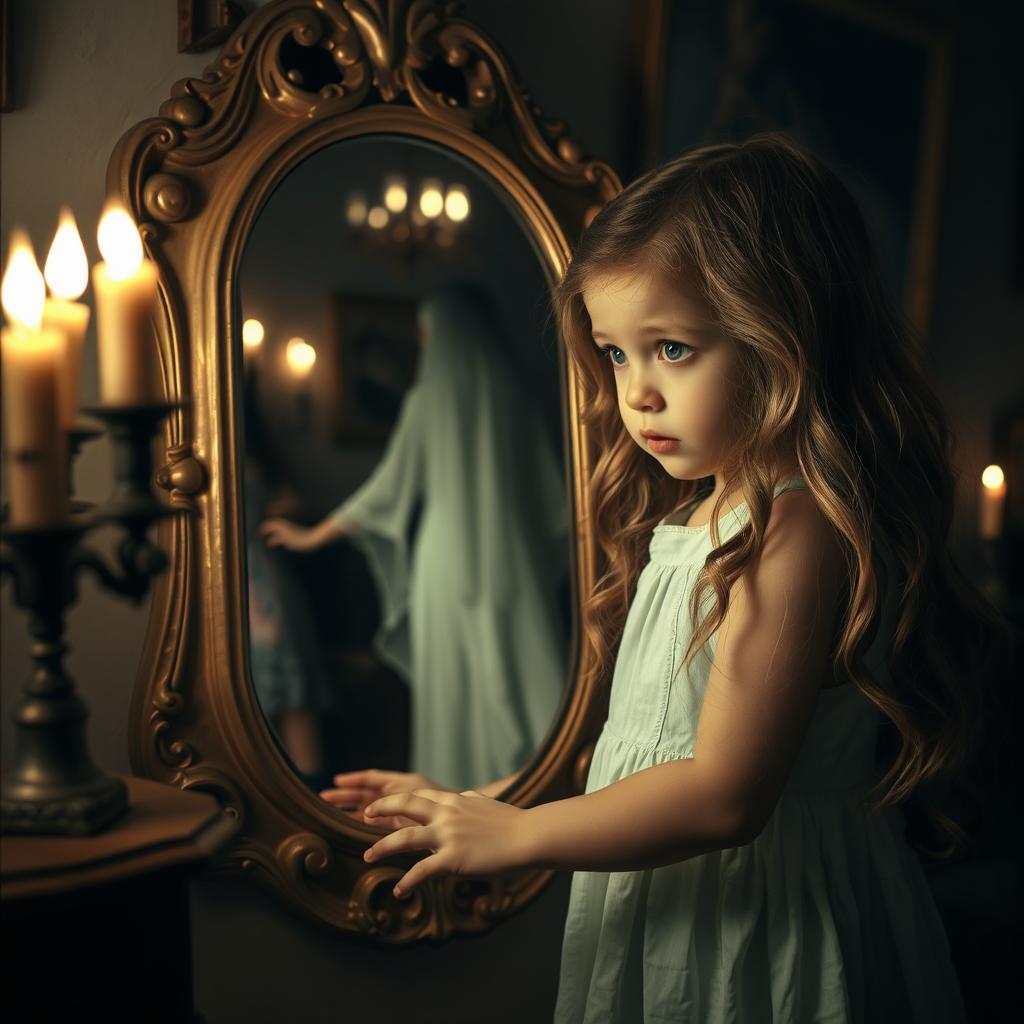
(766,438)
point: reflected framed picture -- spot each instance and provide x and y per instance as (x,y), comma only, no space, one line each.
(375,352)
(863,83)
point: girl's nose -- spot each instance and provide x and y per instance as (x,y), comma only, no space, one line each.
(641,396)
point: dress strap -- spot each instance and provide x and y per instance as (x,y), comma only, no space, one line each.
(790,484)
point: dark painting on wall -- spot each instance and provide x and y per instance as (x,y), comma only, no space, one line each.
(374,351)
(863,84)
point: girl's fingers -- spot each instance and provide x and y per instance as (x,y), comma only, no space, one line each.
(354,793)
(355,782)
(412,805)
(365,777)
(340,797)
(417,875)
(415,837)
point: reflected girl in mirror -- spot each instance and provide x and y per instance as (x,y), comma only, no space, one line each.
(470,591)
(288,675)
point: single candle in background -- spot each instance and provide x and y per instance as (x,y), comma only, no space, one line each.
(125,287)
(67,274)
(34,443)
(252,341)
(992,503)
(300,357)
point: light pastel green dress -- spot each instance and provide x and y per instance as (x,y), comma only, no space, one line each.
(825,916)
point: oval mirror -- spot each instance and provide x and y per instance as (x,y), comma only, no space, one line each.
(358,217)
(405,483)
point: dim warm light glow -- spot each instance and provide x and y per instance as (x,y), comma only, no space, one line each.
(252,333)
(431,198)
(395,195)
(300,356)
(377,218)
(120,243)
(67,267)
(456,203)
(992,477)
(23,291)
(356,212)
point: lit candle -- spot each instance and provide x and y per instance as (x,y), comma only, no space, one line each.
(125,287)
(67,274)
(432,198)
(456,203)
(300,357)
(252,339)
(993,500)
(34,441)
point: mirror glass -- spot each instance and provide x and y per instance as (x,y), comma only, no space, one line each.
(405,490)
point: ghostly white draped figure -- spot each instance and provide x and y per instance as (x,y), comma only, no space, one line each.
(471,607)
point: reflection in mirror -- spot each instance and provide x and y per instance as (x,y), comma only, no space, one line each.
(405,492)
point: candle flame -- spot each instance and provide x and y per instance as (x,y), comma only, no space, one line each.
(252,333)
(23,290)
(992,477)
(119,242)
(432,198)
(357,209)
(395,195)
(456,203)
(67,268)
(300,356)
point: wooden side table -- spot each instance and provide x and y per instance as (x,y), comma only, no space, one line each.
(97,927)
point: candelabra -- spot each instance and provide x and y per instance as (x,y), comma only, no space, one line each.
(52,785)
(432,223)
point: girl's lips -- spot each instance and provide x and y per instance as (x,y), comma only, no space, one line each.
(661,444)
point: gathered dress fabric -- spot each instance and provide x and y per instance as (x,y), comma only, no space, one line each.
(826,916)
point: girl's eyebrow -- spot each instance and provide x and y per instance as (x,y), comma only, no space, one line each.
(664,330)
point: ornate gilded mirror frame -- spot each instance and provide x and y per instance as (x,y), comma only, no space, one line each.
(195,178)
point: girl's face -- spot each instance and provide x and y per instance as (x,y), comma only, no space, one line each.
(673,369)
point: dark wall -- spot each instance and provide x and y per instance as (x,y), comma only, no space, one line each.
(85,72)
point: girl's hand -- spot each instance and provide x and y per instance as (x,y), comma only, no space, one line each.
(284,533)
(468,833)
(357,789)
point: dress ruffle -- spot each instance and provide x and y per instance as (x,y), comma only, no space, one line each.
(825,916)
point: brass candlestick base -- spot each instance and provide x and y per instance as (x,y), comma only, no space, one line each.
(52,786)
(36,808)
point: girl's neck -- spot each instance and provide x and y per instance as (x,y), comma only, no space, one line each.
(786,469)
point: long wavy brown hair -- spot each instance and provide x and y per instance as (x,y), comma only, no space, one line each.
(775,245)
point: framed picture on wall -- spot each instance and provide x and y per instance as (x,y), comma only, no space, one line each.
(374,354)
(862,83)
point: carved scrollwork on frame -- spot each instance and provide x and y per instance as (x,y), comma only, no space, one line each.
(294,77)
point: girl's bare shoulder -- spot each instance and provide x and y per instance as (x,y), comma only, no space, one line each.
(798,528)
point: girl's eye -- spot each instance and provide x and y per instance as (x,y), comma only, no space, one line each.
(675,351)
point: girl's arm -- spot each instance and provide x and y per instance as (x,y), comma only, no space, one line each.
(771,658)
(492,789)
(660,815)
(279,532)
